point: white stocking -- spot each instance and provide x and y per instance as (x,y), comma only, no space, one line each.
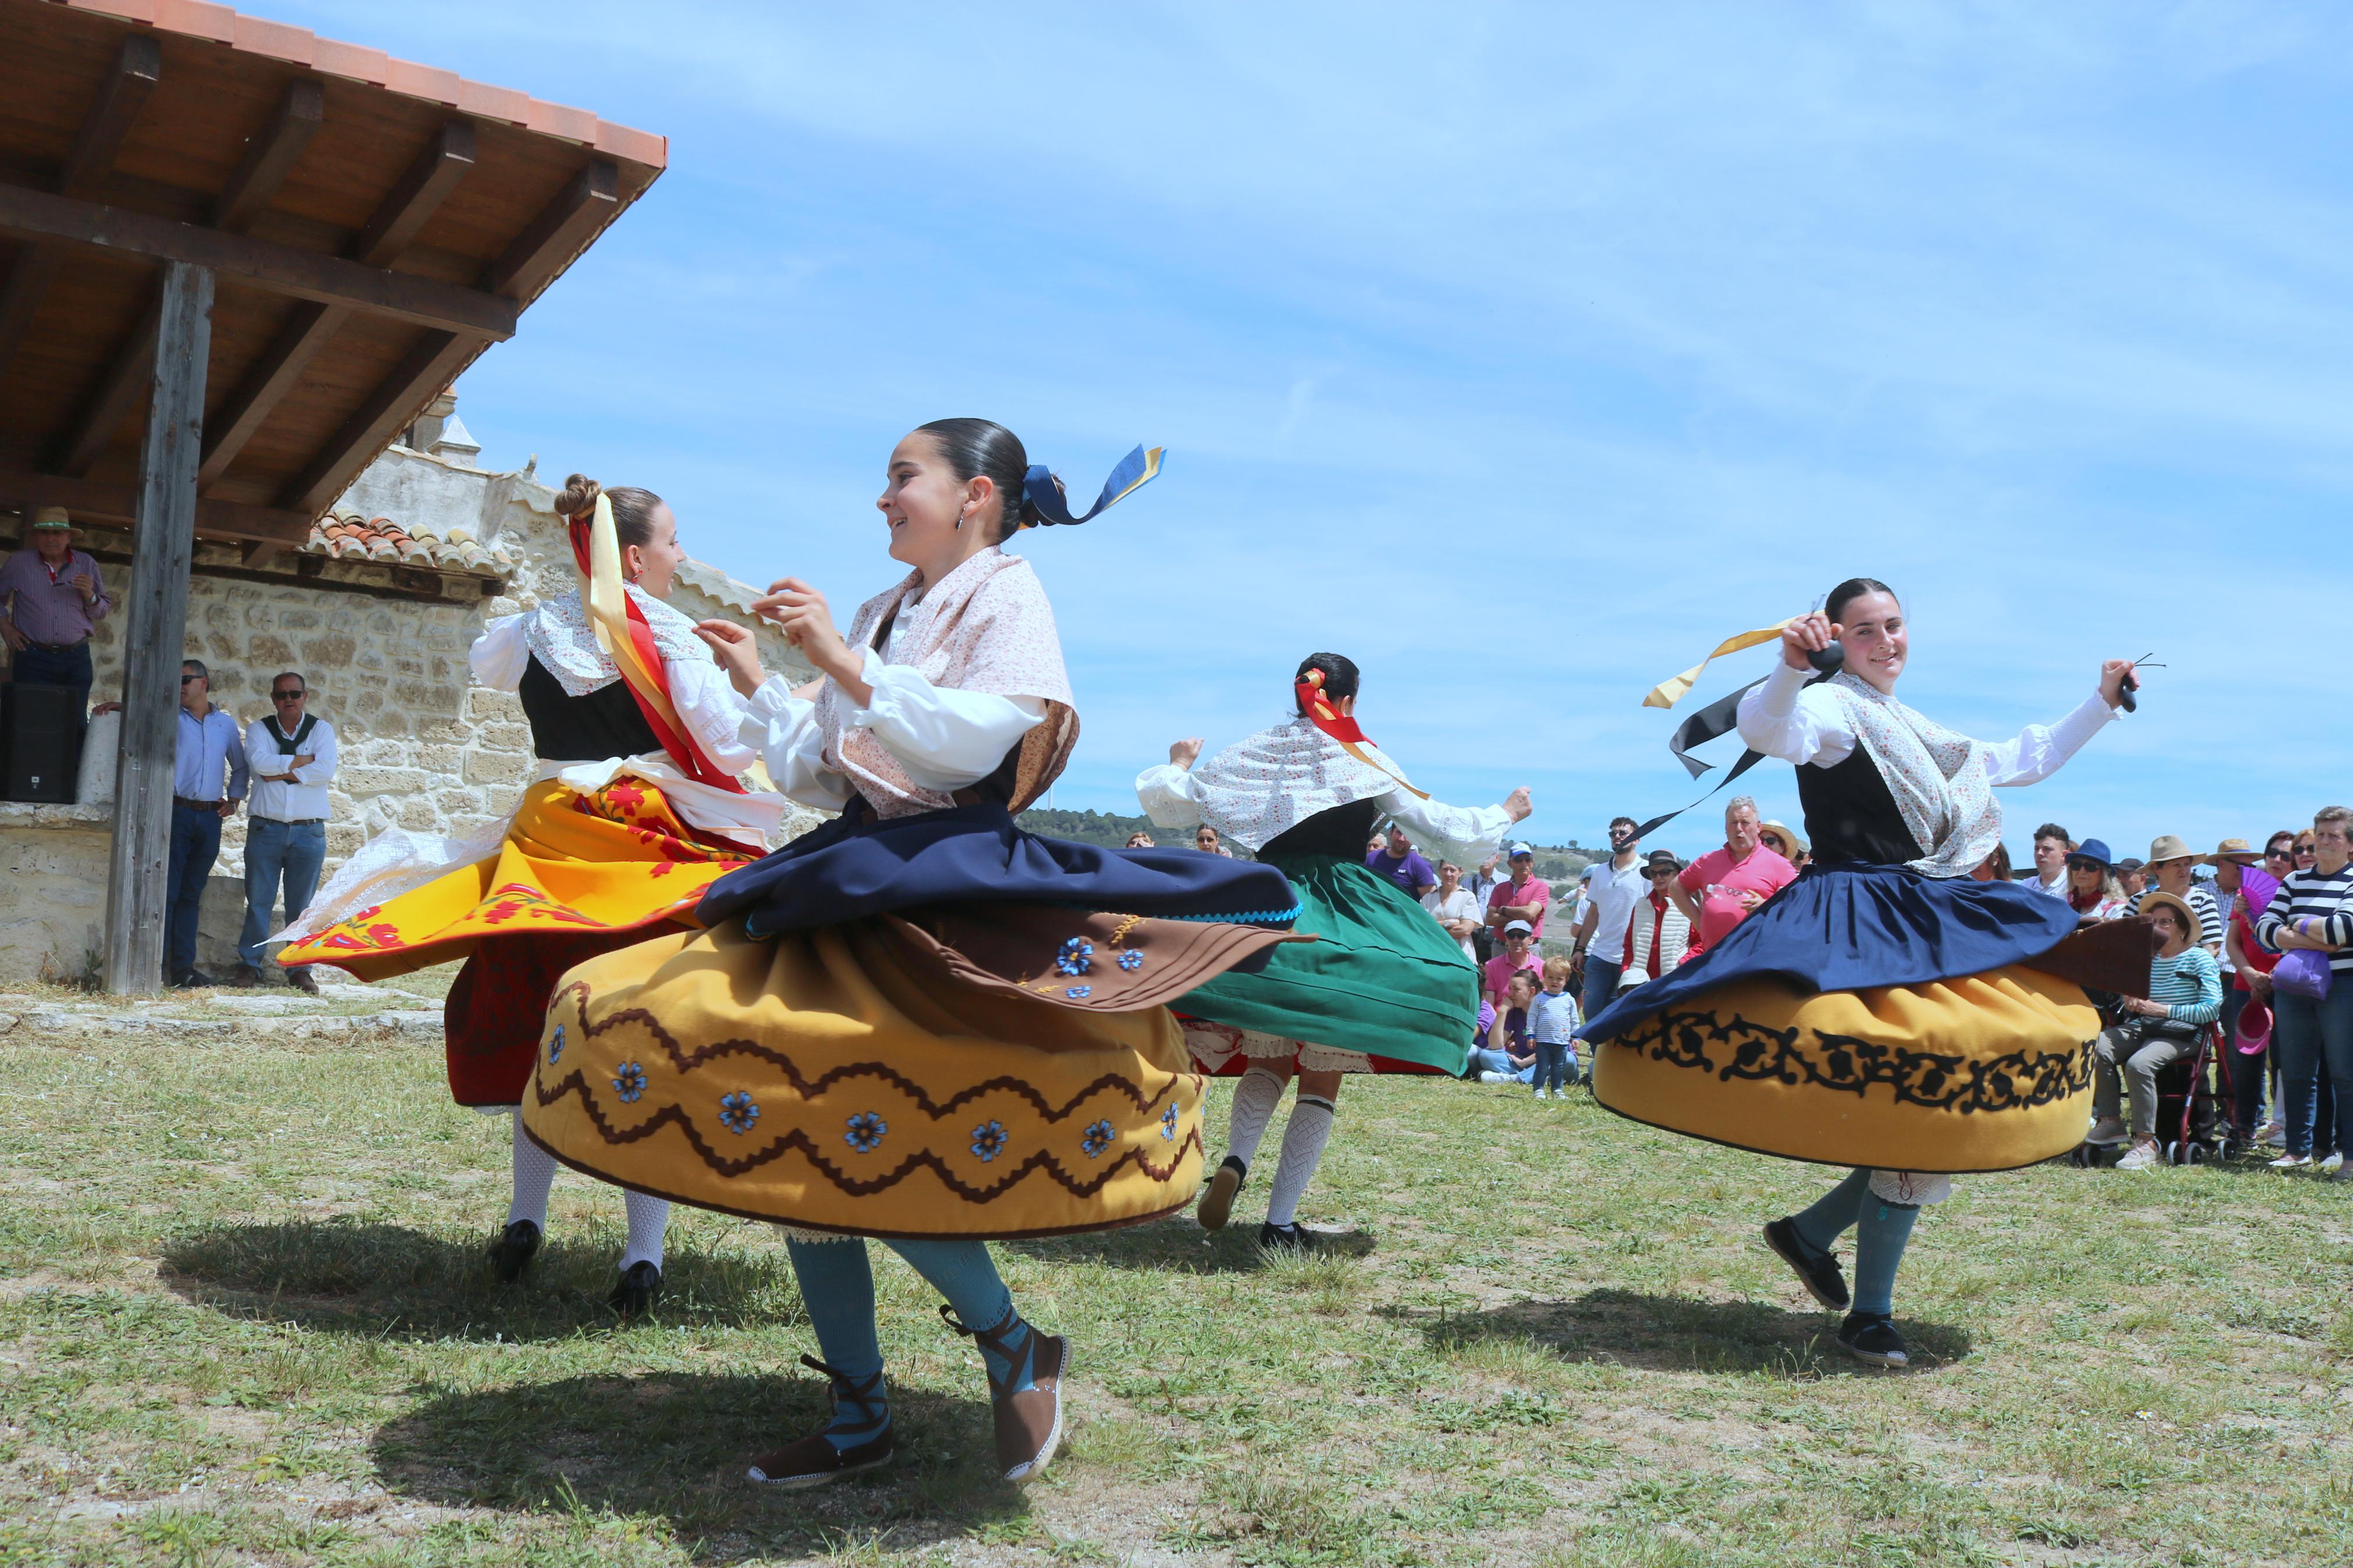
(534,1173)
(1255,1098)
(1303,1150)
(649,1219)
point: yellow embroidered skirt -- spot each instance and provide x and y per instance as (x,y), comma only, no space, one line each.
(1983,1072)
(866,1079)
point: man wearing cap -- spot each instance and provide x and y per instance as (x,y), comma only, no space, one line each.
(2175,867)
(1618,885)
(1519,952)
(2132,876)
(54,597)
(1724,886)
(1524,897)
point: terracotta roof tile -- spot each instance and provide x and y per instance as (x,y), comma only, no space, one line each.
(347,536)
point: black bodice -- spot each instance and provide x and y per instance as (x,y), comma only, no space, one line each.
(1343,831)
(1851,814)
(568,729)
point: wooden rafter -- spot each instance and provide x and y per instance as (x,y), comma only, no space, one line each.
(97,501)
(436,173)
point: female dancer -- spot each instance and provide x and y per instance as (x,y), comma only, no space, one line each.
(634,812)
(1886,1010)
(917,1022)
(1383,988)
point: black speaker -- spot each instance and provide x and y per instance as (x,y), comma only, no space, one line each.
(41,726)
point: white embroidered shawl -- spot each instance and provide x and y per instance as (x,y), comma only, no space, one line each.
(986,626)
(1938,779)
(560,636)
(1257,790)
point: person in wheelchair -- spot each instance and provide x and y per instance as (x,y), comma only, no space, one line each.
(2185,994)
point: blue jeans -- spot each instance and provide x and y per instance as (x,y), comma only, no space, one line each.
(2315,1041)
(1600,985)
(1485,1060)
(291,850)
(195,845)
(1554,1070)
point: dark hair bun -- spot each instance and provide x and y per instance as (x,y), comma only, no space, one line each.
(579,497)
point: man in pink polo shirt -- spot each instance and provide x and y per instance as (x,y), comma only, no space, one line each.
(1744,874)
(1525,897)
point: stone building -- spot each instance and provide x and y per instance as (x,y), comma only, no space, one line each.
(376,610)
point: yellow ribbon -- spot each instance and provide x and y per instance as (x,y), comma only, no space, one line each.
(1669,691)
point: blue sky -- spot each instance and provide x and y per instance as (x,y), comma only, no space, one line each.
(1518,352)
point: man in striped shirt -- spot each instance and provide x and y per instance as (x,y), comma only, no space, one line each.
(2313,910)
(2173,863)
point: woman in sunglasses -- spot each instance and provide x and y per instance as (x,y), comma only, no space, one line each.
(2092,889)
(1887,1011)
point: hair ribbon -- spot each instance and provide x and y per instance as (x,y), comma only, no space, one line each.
(1344,729)
(1135,470)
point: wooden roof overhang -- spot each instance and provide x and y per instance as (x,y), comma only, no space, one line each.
(371,226)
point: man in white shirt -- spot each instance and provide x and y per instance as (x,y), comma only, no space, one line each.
(1456,907)
(1617,886)
(291,755)
(2052,847)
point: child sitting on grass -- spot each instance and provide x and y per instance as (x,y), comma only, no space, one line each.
(1553,1023)
(1509,1056)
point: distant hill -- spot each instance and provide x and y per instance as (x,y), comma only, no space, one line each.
(1554,862)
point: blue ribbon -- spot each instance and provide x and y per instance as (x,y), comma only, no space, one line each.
(1135,470)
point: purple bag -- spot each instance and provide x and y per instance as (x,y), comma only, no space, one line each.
(2304,973)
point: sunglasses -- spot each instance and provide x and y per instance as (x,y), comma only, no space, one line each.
(185,678)
(288,696)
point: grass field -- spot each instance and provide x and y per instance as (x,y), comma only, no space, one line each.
(244,1318)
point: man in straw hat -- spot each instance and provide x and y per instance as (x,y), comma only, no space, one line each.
(2172,865)
(53,595)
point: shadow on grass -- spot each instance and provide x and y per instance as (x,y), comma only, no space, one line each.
(344,1275)
(1178,1244)
(1682,1333)
(674,1446)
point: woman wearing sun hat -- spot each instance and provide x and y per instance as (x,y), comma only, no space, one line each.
(2092,891)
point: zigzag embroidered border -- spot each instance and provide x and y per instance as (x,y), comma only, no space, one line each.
(1937,1080)
(575,1083)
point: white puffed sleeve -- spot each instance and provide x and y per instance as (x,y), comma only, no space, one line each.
(1784,718)
(1169,794)
(782,730)
(1464,834)
(2041,749)
(699,690)
(945,739)
(500,654)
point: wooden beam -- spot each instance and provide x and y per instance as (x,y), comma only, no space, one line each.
(269,158)
(158,606)
(257,263)
(543,249)
(560,232)
(436,172)
(137,68)
(95,500)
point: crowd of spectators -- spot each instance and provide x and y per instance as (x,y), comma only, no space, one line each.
(2280,1064)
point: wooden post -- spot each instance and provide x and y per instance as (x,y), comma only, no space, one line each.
(163,550)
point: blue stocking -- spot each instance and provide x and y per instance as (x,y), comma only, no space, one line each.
(964,1273)
(1879,1241)
(1834,1212)
(837,1289)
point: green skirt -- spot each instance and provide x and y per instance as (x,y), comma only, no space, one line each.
(1382,976)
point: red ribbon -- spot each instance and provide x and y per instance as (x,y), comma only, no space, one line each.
(681,748)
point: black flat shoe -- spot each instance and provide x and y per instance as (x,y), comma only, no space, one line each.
(1273,1237)
(1217,1197)
(1818,1271)
(513,1251)
(640,1282)
(1871,1337)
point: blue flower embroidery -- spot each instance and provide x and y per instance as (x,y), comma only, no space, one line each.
(630,1082)
(555,1045)
(1078,956)
(736,1111)
(1096,1139)
(988,1140)
(1131,962)
(1078,993)
(866,1130)
(1168,1122)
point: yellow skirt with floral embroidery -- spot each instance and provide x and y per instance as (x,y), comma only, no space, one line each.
(831,1079)
(616,859)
